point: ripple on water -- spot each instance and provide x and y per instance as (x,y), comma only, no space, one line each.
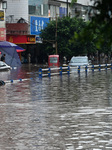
(60,113)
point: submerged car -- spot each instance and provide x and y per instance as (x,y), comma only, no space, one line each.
(77,61)
(53,61)
(4,66)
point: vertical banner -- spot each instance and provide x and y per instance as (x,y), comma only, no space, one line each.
(1,15)
(49,13)
(2,18)
(2,34)
(2,26)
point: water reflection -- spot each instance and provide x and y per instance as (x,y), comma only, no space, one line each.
(58,113)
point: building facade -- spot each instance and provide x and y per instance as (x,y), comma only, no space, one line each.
(24,19)
(20,11)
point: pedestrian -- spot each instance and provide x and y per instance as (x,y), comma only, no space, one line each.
(29,58)
(3,58)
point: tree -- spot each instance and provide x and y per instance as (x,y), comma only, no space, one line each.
(66,27)
(99,29)
(103,17)
(103,9)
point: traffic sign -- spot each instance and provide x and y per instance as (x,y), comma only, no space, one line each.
(37,24)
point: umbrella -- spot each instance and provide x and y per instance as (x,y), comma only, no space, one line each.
(10,49)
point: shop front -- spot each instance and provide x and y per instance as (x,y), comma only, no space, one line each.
(21,40)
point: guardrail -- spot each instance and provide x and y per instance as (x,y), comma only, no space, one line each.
(53,71)
(63,70)
(67,70)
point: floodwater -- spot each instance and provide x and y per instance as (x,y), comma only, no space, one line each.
(58,113)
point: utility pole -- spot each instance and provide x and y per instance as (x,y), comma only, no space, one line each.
(54,41)
(56,45)
(67,7)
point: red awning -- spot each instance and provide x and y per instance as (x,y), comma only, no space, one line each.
(20,50)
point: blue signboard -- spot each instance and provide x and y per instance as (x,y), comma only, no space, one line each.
(37,24)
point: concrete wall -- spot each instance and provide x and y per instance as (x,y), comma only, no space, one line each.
(18,8)
(0,5)
(83,2)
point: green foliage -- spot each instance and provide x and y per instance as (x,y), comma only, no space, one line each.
(96,36)
(92,39)
(85,40)
(101,24)
(73,1)
(76,37)
(104,11)
(66,27)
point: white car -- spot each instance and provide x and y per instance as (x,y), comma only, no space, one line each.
(78,61)
(4,66)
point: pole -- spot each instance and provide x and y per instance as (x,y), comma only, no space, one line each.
(56,36)
(67,7)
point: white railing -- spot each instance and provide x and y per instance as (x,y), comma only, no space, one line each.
(67,70)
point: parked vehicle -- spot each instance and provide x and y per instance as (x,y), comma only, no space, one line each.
(53,61)
(77,61)
(4,66)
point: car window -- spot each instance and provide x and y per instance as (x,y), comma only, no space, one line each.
(53,60)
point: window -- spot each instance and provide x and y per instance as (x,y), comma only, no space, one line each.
(38,9)
(32,9)
(53,60)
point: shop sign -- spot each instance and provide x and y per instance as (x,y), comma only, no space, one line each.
(2,18)
(21,39)
(2,34)
(38,39)
(1,15)
(30,38)
(37,24)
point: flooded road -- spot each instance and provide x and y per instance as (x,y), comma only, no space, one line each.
(61,113)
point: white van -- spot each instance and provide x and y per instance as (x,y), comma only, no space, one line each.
(77,61)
